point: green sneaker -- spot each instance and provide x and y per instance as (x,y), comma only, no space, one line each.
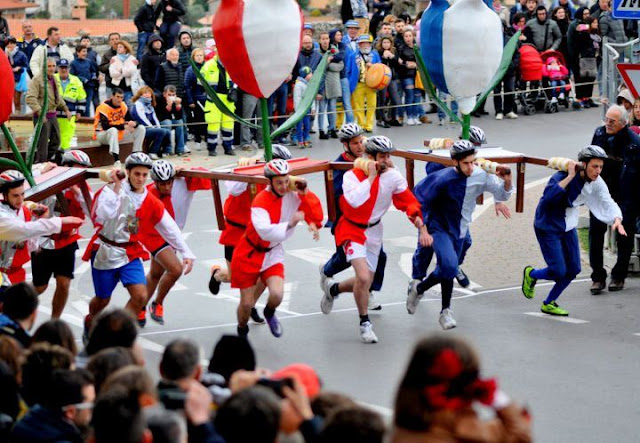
(553,309)
(528,283)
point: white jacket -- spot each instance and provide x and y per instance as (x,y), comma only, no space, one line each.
(38,57)
(119,70)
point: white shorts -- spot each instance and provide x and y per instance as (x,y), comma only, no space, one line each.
(369,251)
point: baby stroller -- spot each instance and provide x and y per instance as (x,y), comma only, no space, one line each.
(565,99)
(530,76)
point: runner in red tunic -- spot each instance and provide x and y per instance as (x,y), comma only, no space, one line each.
(259,256)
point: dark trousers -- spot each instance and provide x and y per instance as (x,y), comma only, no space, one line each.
(198,127)
(597,230)
(338,263)
(49,141)
(507,85)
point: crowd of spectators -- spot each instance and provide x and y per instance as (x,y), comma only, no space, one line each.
(381,32)
(107,392)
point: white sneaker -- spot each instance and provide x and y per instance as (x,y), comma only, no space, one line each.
(413,298)
(554,100)
(499,116)
(373,303)
(366,333)
(153,156)
(417,122)
(441,122)
(323,276)
(326,304)
(512,115)
(198,146)
(411,122)
(561,96)
(186,150)
(446,319)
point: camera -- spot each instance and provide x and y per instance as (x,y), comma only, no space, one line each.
(276,386)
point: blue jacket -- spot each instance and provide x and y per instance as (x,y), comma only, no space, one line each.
(20,59)
(45,425)
(14,330)
(311,60)
(193,90)
(557,211)
(84,69)
(448,198)
(343,52)
(353,73)
(432,167)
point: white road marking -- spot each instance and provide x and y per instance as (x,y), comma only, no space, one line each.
(408,241)
(638,334)
(316,256)
(557,318)
(406,266)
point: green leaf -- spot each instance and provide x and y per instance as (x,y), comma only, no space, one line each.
(36,133)
(20,163)
(507,55)
(430,87)
(213,96)
(307,99)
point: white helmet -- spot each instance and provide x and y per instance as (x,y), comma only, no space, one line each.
(378,143)
(281,152)
(10,179)
(349,131)
(138,159)
(477,136)
(76,157)
(276,168)
(162,170)
(461,149)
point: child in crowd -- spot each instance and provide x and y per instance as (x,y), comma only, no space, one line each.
(304,125)
(557,75)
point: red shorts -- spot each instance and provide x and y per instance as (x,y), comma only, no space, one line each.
(246,279)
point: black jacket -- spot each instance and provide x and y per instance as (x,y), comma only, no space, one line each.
(170,74)
(622,169)
(177,10)
(104,66)
(161,109)
(12,329)
(405,54)
(151,61)
(45,425)
(145,19)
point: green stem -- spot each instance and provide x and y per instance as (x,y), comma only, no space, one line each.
(266,130)
(466,124)
(16,153)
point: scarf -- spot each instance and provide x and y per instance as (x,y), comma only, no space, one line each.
(147,103)
(12,54)
(122,57)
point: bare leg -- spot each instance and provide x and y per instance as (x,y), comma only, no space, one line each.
(96,305)
(153,277)
(61,296)
(224,275)
(168,259)
(247,300)
(364,277)
(138,298)
(276,291)
(41,289)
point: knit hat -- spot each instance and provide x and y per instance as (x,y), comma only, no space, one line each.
(230,354)
(304,71)
(305,374)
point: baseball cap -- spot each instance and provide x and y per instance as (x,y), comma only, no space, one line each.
(351,24)
(63,63)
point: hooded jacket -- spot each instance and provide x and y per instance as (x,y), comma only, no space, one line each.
(151,60)
(145,19)
(185,53)
(173,16)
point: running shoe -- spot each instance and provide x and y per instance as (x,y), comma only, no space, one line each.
(142,317)
(274,326)
(326,304)
(323,276)
(552,308)
(373,303)
(413,298)
(256,317)
(446,319)
(528,282)
(462,278)
(366,333)
(214,285)
(157,312)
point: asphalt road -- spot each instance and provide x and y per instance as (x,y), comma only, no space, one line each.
(579,376)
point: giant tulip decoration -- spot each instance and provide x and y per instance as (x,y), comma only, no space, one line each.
(258,43)
(463,52)
(7,88)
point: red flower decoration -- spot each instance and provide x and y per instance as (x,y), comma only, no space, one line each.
(446,365)
(7,87)
(483,390)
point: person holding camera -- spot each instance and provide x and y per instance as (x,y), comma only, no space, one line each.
(169,112)
(217,77)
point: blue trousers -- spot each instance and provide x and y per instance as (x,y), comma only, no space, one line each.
(302,129)
(338,263)
(423,256)
(561,253)
(160,136)
(143,38)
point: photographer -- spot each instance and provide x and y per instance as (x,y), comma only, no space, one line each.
(169,112)
(180,364)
